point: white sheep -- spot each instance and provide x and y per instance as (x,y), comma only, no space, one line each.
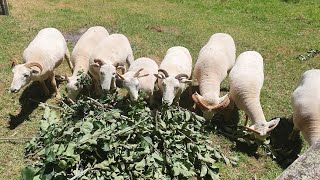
(306,107)
(246,80)
(140,76)
(215,59)
(111,53)
(45,52)
(174,72)
(80,57)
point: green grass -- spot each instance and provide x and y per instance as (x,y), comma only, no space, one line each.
(278,30)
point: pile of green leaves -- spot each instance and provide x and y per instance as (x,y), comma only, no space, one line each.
(113,138)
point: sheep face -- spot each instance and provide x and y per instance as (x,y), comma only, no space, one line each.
(170,88)
(73,88)
(107,74)
(107,77)
(132,86)
(22,76)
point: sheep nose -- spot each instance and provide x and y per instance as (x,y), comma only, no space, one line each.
(13,90)
(165,102)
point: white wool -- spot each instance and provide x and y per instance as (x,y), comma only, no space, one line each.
(246,80)
(306,107)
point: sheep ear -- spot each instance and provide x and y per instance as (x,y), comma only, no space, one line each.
(95,65)
(143,75)
(13,64)
(272,124)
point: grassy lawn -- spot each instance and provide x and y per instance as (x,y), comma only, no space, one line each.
(279,30)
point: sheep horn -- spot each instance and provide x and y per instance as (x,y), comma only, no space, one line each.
(198,101)
(137,73)
(251,129)
(273,124)
(99,61)
(121,77)
(223,104)
(29,65)
(181,76)
(121,67)
(158,76)
(164,72)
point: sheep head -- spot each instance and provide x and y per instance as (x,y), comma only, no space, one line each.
(171,85)
(261,130)
(22,75)
(107,74)
(73,87)
(131,83)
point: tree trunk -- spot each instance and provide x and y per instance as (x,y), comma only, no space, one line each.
(307,166)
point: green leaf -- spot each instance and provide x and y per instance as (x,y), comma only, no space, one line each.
(70,149)
(213,175)
(140,165)
(62,164)
(46,113)
(188,116)
(156,156)
(204,170)
(28,173)
(104,165)
(86,127)
(44,125)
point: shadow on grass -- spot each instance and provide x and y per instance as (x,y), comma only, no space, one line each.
(285,150)
(29,101)
(280,148)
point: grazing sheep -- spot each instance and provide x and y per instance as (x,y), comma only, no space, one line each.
(111,53)
(45,52)
(80,57)
(215,59)
(246,80)
(306,106)
(140,76)
(174,72)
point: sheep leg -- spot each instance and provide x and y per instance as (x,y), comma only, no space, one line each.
(44,88)
(54,85)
